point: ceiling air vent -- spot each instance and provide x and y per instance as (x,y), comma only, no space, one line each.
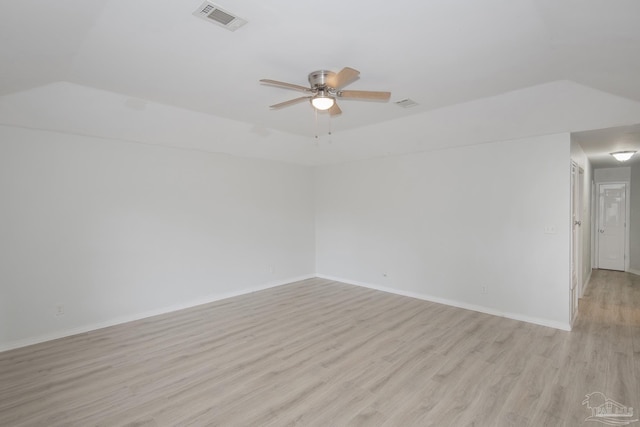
(406,103)
(214,13)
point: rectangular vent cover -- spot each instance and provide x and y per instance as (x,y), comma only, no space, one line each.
(406,103)
(214,13)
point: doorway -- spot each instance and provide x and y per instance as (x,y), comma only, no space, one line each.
(611,231)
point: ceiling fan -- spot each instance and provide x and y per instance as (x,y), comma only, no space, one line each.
(325,88)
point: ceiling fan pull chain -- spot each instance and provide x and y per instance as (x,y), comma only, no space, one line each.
(316,116)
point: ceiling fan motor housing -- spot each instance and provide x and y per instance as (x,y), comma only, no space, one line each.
(318,79)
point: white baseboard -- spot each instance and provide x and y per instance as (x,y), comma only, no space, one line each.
(454,303)
(634,271)
(124,319)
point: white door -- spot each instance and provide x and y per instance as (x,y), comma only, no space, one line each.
(576,243)
(612,221)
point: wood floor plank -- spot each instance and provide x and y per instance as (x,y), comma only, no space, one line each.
(323,353)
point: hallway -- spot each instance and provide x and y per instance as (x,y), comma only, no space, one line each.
(605,340)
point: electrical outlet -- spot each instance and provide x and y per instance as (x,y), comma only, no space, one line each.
(384,274)
(484,289)
(60,310)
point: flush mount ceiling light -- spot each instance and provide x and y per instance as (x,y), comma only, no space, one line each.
(322,102)
(623,156)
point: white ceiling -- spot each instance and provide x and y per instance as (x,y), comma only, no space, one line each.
(439,53)
(622,138)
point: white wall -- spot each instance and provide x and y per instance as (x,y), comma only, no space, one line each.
(580,158)
(116,230)
(619,174)
(444,224)
(634,231)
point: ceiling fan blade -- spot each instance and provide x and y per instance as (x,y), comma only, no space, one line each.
(289,102)
(285,85)
(364,94)
(344,77)
(335,110)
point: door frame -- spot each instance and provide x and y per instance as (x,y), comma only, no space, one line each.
(596,222)
(577,244)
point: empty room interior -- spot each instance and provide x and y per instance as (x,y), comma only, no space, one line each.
(248,213)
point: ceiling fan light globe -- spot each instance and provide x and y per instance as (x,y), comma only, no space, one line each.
(623,156)
(322,103)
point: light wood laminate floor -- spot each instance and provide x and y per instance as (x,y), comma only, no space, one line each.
(321,353)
